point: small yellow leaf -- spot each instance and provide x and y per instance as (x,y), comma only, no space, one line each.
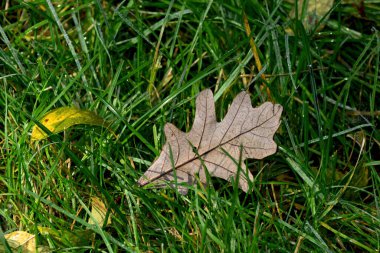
(64,117)
(311,12)
(22,241)
(98,212)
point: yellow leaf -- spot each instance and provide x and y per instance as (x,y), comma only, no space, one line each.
(311,13)
(64,117)
(22,241)
(98,212)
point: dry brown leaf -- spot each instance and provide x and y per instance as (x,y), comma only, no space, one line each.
(216,145)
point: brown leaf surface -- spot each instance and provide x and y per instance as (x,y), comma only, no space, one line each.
(245,132)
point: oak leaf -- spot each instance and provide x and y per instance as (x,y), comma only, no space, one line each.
(219,147)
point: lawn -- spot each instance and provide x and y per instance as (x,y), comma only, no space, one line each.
(141,64)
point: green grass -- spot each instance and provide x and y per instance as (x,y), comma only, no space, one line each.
(140,65)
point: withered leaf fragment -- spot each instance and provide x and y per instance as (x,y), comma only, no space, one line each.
(245,132)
